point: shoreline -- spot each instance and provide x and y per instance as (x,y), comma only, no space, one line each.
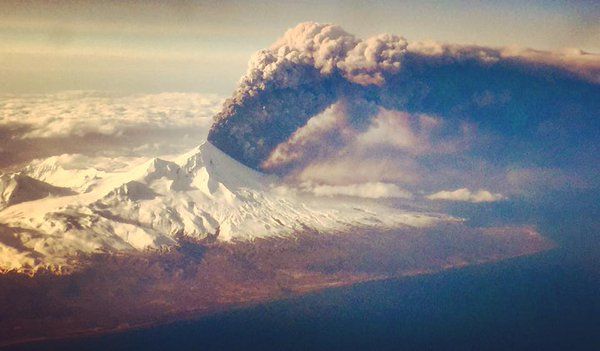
(201,314)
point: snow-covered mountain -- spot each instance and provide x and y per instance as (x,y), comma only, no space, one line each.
(203,194)
(17,188)
(53,172)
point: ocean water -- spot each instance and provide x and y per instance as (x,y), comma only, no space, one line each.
(545,302)
(549,301)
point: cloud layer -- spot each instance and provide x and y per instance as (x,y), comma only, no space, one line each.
(92,123)
(372,190)
(466,195)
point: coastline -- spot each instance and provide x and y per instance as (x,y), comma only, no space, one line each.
(204,313)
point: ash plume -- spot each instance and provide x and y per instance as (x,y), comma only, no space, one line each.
(313,66)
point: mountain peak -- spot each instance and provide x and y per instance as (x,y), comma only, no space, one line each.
(202,193)
(17,188)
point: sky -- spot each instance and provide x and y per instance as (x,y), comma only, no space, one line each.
(204,46)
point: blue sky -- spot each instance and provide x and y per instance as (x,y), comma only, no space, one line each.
(204,46)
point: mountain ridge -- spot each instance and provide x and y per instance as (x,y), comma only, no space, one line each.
(199,194)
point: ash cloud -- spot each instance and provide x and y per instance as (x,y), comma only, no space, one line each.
(319,89)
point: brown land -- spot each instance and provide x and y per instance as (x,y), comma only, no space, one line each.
(113,292)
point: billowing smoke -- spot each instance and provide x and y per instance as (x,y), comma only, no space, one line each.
(537,102)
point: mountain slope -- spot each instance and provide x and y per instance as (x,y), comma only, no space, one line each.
(201,194)
(18,188)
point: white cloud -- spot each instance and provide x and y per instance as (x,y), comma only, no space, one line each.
(82,113)
(466,195)
(102,124)
(360,168)
(372,190)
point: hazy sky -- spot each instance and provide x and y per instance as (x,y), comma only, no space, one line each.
(204,46)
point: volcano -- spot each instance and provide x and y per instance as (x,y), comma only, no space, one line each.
(203,194)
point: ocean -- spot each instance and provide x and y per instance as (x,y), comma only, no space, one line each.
(548,301)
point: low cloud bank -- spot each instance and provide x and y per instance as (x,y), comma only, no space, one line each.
(107,124)
(372,190)
(466,195)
